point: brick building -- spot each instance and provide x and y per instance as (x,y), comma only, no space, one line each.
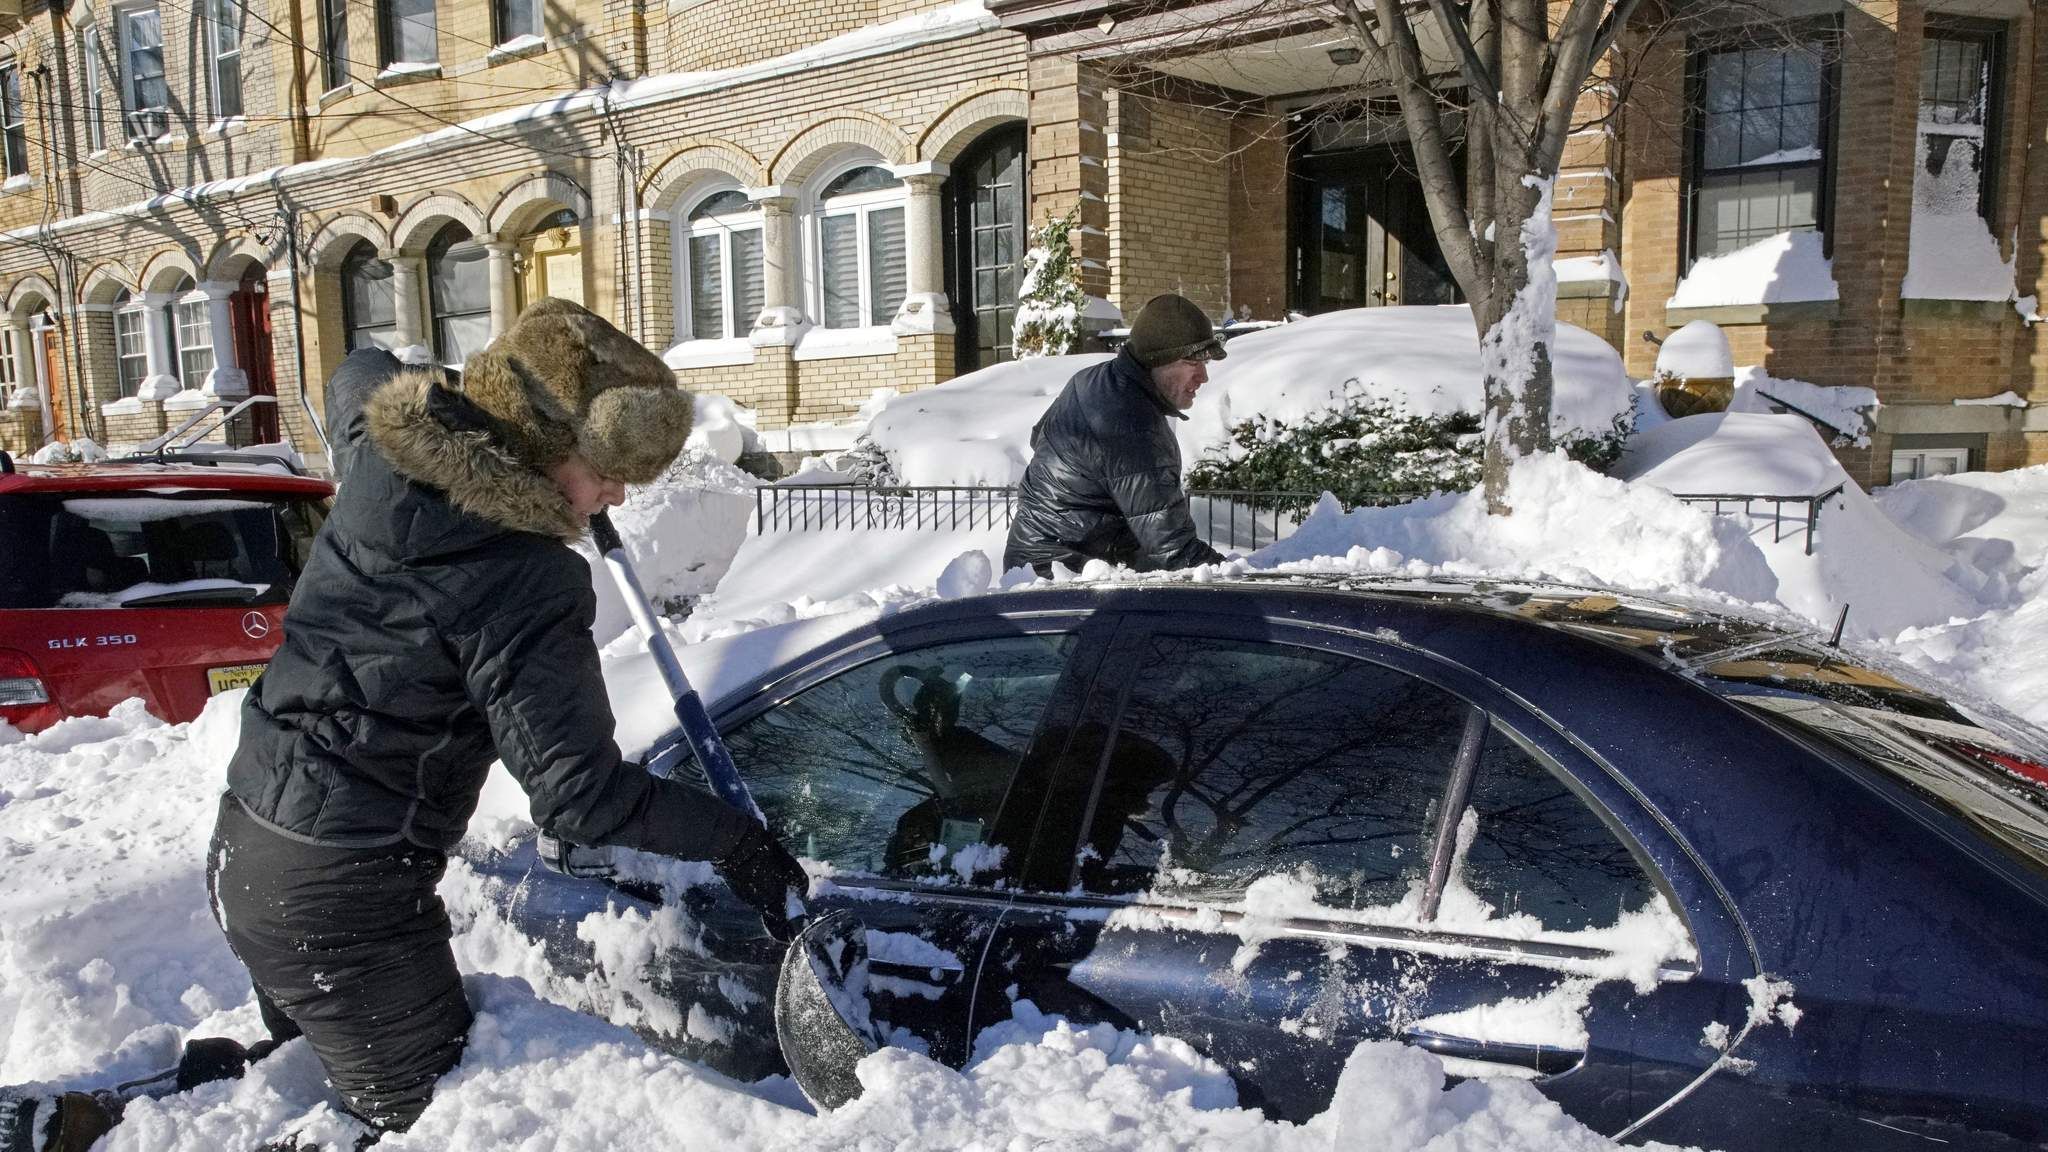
(799,203)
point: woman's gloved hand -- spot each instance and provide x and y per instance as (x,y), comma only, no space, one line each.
(760,871)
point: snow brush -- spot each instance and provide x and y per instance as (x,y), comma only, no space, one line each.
(821,1009)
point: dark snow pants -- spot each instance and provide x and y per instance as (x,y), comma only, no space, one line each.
(349,948)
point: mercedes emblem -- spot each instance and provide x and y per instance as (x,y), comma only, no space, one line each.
(255,625)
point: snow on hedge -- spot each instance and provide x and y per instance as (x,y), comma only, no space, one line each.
(977,429)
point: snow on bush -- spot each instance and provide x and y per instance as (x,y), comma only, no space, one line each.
(976,429)
(1049,296)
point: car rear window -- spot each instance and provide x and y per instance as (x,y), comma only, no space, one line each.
(1973,773)
(112,550)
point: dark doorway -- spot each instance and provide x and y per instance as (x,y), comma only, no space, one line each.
(1360,233)
(985,241)
(249,319)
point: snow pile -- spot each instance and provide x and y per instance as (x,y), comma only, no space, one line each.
(1604,268)
(78,450)
(721,428)
(1997,523)
(977,429)
(1781,269)
(1890,580)
(681,532)
(1848,410)
(1570,524)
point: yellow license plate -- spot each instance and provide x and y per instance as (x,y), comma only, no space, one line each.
(219,680)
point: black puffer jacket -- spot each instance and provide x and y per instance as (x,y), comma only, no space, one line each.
(1104,478)
(442,623)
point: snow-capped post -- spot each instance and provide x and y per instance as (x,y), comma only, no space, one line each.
(1049,295)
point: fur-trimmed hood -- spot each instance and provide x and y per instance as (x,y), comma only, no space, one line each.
(435,436)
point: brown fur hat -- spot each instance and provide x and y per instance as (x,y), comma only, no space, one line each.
(562,379)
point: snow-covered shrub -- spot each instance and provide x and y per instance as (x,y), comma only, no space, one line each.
(1370,450)
(1049,296)
(868,463)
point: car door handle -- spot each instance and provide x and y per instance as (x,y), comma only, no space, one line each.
(1541,1059)
(923,974)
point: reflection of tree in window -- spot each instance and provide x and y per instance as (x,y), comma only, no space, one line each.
(1541,850)
(880,767)
(1235,760)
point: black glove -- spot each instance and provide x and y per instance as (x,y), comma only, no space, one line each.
(760,871)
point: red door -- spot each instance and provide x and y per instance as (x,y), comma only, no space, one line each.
(249,314)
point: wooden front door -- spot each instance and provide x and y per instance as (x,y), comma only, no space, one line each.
(49,364)
(249,317)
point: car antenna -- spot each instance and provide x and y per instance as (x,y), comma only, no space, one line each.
(1841,618)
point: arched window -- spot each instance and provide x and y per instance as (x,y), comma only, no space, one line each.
(459,291)
(719,267)
(191,328)
(860,263)
(551,259)
(369,300)
(131,343)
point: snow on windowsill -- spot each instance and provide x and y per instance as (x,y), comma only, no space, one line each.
(221,128)
(710,353)
(403,70)
(17,183)
(1604,268)
(125,406)
(836,343)
(1783,269)
(1955,257)
(2005,399)
(515,48)
(335,95)
(187,400)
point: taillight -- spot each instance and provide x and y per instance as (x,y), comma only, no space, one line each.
(2019,766)
(21,682)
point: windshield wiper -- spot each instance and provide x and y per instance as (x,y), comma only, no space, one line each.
(238,594)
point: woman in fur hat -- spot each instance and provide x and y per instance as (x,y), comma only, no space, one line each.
(443,623)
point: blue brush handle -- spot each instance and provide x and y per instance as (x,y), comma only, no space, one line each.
(705,742)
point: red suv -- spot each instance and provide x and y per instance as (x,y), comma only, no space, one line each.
(163,578)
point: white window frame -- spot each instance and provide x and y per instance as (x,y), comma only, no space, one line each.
(724,226)
(220,59)
(16,125)
(1917,459)
(137,310)
(186,305)
(390,39)
(861,205)
(137,116)
(8,384)
(90,45)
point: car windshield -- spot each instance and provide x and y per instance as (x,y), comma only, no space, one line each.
(1971,772)
(145,549)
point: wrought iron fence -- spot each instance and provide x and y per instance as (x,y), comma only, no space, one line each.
(1230,519)
(1806,512)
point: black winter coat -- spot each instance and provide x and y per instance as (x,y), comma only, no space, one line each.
(1104,478)
(441,623)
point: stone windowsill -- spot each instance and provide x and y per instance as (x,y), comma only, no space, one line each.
(222,129)
(407,72)
(515,49)
(1602,289)
(335,95)
(1987,311)
(21,183)
(709,354)
(1783,312)
(842,343)
(125,406)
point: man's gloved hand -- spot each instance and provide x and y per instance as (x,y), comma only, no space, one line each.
(760,871)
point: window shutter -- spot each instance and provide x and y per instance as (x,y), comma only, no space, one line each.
(749,294)
(839,241)
(707,289)
(887,277)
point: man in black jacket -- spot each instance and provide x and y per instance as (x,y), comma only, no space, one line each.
(1104,477)
(443,622)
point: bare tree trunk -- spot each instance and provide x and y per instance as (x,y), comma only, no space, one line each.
(1517,325)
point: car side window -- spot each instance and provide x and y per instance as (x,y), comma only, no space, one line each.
(1540,850)
(1234,760)
(899,767)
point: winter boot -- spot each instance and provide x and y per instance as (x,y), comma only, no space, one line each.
(67,1123)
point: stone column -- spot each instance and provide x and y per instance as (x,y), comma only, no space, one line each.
(30,389)
(228,380)
(925,309)
(782,313)
(504,282)
(162,383)
(408,277)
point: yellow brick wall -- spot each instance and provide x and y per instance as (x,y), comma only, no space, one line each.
(1169,202)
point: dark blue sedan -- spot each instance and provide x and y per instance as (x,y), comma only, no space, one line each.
(1784,899)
